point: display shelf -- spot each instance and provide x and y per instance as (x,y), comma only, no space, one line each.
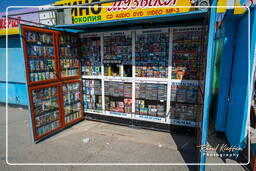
(39,54)
(45,113)
(150,99)
(91,56)
(118,96)
(184,82)
(186,53)
(47,123)
(117,57)
(118,79)
(72,101)
(151,53)
(68,53)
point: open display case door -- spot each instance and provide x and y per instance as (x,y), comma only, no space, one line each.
(40,55)
(45,109)
(71,99)
(68,54)
(52,63)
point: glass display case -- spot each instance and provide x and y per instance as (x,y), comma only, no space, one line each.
(69,56)
(41,60)
(46,109)
(72,101)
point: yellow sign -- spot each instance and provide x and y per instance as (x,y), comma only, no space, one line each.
(124,9)
(10,31)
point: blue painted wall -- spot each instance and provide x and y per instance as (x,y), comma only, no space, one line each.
(227,36)
(17,92)
(241,80)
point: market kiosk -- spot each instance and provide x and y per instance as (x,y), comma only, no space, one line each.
(149,68)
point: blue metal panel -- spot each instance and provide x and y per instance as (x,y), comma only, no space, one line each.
(17,93)
(208,84)
(238,107)
(228,28)
(16,67)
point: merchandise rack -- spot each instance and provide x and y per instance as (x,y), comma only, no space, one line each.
(42,56)
(169,81)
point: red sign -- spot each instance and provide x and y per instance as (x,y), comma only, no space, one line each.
(11,23)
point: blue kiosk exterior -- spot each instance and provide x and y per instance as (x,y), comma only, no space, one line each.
(236,76)
(17,89)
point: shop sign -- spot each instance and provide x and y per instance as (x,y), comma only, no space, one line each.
(125,9)
(13,24)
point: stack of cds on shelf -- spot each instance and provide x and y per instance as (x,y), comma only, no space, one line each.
(127,90)
(183,102)
(68,51)
(118,48)
(184,111)
(184,93)
(151,99)
(40,53)
(151,54)
(38,38)
(187,51)
(46,109)
(118,96)
(91,57)
(92,94)
(44,129)
(71,100)
(117,53)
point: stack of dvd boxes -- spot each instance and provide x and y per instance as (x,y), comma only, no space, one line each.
(183,102)
(92,94)
(151,99)
(118,96)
